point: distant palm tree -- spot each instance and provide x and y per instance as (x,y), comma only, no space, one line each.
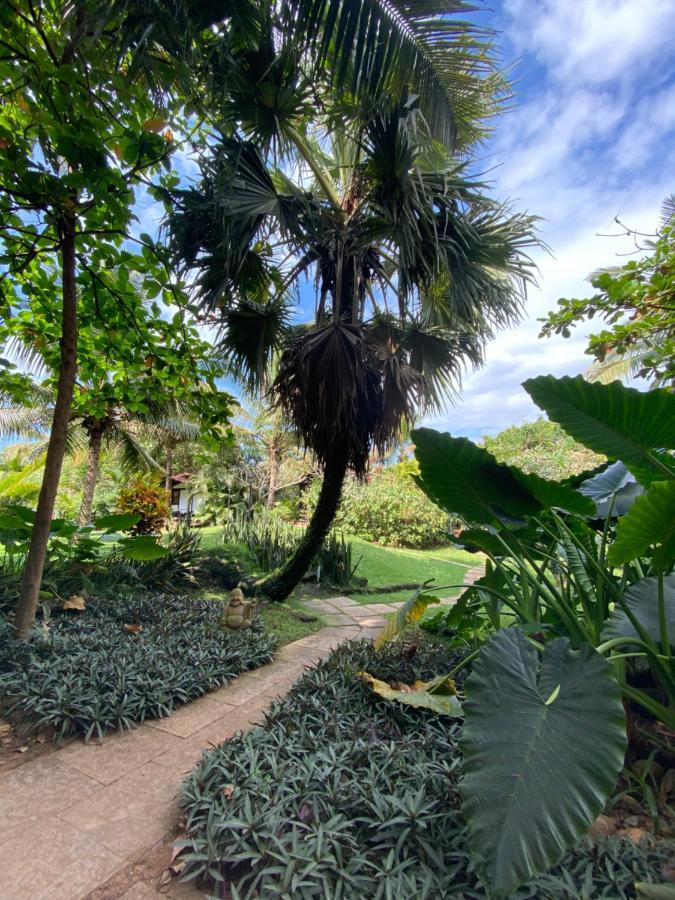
(118,430)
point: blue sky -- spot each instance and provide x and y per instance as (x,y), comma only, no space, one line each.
(591,137)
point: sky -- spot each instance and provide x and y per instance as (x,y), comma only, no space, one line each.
(591,137)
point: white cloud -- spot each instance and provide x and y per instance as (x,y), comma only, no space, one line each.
(592,41)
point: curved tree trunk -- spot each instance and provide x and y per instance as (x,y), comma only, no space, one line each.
(90,479)
(56,448)
(280,584)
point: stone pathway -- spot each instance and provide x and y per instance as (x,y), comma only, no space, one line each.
(75,823)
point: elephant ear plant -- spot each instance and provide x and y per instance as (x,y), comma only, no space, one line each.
(579,586)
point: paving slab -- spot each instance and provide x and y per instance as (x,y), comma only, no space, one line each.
(142,891)
(118,754)
(38,789)
(130,815)
(53,861)
(188,719)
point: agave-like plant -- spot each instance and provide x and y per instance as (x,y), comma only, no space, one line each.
(413,266)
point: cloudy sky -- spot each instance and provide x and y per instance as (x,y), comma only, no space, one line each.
(592,137)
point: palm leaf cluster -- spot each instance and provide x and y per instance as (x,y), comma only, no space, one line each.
(412,268)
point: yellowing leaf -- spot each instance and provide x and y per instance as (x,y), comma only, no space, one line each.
(438,695)
(75,602)
(154,125)
(411,611)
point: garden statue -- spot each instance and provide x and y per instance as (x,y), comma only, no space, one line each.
(239,613)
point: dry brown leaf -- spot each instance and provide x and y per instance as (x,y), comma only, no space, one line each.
(133,628)
(228,791)
(602,827)
(636,835)
(5,727)
(75,602)
(21,749)
(166,878)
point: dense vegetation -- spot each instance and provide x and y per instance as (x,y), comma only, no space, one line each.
(120,663)
(340,795)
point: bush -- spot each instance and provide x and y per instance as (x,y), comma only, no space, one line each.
(115,665)
(148,500)
(389,509)
(342,795)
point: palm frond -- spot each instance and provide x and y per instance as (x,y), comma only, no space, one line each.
(384,46)
(252,333)
(133,455)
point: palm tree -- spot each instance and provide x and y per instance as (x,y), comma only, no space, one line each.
(117,430)
(413,267)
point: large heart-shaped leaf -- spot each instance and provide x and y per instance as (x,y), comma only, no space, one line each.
(648,525)
(117,522)
(543,745)
(619,422)
(467,480)
(613,490)
(642,598)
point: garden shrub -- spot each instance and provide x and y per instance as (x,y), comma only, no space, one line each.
(148,500)
(118,664)
(389,509)
(341,795)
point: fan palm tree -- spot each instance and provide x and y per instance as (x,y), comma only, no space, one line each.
(413,267)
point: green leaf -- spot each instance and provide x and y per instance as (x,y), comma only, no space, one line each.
(647,891)
(12,522)
(537,773)
(619,422)
(118,522)
(650,522)
(642,599)
(142,548)
(439,695)
(411,612)
(468,481)
(614,489)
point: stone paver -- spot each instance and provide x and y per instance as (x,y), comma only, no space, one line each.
(73,819)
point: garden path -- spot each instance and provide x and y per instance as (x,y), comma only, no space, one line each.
(95,820)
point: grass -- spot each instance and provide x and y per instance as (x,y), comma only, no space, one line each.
(391,565)
(388,565)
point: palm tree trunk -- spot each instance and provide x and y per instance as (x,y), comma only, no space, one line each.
(274,463)
(56,448)
(95,441)
(280,584)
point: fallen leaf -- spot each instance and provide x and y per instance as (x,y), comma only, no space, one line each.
(133,628)
(5,727)
(178,867)
(636,835)
(21,749)
(602,827)
(166,878)
(228,791)
(75,602)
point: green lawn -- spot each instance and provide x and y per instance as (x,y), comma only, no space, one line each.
(389,565)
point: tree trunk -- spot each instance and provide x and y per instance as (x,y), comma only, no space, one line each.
(35,561)
(168,473)
(280,584)
(274,463)
(95,440)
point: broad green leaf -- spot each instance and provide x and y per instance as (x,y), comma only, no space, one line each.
(650,523)
(642,598)
(613,490)
(12,523)
(467,480)
(142,548)
(439,695)
(118,522)
(543,744)
(411,612)
(619,422)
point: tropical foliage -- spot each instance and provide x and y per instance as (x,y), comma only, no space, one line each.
(637,301)
(581,568)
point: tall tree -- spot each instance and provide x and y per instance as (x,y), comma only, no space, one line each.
(77,135)
(414,266)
